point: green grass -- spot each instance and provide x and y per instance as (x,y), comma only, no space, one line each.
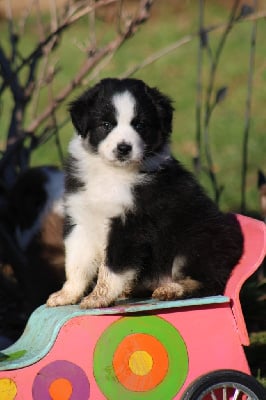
(175,74)
(256,356)
(254,310)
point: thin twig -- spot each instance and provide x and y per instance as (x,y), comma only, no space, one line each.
(248,112)
(11,29)
(26,13)
(54,15)
(215,61)
(210,103)
(92,26)
(198,110)
(42,76)
(55,125)
(39,24)
(100,67)
(159,54)
(119,16)
(48,132)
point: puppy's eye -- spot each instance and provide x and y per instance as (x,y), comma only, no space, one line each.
(107,125)
(138,125)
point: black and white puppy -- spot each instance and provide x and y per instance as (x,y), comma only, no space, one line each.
(135,218)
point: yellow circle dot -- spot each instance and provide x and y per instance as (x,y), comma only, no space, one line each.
(8,389)
(60,389)
(140,362)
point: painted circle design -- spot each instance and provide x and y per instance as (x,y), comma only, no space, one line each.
(61,380)
(140,355)
(144,356)
(60,388)
(8,389)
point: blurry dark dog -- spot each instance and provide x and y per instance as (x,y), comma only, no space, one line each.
(33,218)
(135,218)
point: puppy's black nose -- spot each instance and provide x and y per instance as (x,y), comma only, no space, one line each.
(123,149)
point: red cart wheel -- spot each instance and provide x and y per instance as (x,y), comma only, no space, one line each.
(225,385)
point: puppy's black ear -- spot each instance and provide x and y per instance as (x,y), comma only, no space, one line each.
(164,109)
(81,108)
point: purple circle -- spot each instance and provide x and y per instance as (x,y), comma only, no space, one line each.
(61,369)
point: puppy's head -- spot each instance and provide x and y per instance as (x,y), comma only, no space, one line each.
(124,121)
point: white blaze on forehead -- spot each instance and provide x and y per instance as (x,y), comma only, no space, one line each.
(123,132)
(125,107)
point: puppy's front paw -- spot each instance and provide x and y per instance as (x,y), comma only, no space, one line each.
(170,291)
(61,298)
(94,302)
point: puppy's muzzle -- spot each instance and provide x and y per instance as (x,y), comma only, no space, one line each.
(123,151)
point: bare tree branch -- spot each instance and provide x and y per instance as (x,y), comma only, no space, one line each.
(68,20)
(92,61)
(26,86)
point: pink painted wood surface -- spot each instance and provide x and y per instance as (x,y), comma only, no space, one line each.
(212,343)
(254,232)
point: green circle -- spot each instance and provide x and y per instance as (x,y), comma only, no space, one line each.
(157,327)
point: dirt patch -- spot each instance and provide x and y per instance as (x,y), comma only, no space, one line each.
(19,7)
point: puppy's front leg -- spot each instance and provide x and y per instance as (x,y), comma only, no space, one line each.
(109,287)
(81,268)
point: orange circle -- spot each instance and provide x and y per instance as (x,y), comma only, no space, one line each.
(60,389)
(143,344)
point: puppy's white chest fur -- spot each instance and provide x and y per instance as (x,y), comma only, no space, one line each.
(106,193)
(107,189)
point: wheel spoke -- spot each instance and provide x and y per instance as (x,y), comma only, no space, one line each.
(233,386)
(224,393)
(213,395)
(237,392)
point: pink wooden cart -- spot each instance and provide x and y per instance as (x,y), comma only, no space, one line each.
(188,349)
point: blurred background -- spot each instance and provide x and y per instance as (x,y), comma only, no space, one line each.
(208,55)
